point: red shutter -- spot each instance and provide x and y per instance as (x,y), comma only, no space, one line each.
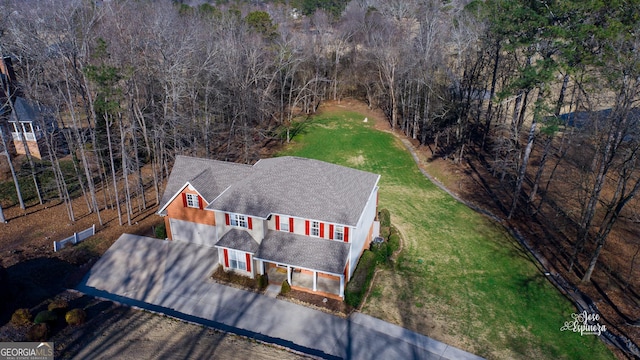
(346,234)
(200,202)
(248,262)
(306,227)
(184,199)
(226,258)
(331,232)
(226,219)
(277,222)
(249,223)
(290,224)
(321,230)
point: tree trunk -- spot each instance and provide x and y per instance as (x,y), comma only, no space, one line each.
(13,171)
(543,161)
(125,172)
(527,153)
(113,170)
(492,93)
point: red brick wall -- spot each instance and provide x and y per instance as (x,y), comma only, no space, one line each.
(177,210)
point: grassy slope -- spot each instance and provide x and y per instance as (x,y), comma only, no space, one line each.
(460,278)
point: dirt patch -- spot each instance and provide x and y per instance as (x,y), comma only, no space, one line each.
(358,160)
(318,302)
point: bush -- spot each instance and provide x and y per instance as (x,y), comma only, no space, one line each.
(75,317)
(385,232)
(394,243)
(357,287)
(262,281)
(381,252)
(59,304)
(385,218)
(21,317)
(38,332)
(285,287)
(161,231)
(45,316)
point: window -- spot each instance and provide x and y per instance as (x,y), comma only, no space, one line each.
(315,228)
(284,224)
(238,220)
(338,233)
(193,201)
(237,260)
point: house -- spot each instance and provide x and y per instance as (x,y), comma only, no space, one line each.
(301,220)
(24,119)
(27,124)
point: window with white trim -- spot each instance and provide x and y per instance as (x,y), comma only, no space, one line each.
(238,220)
(237,260)
(315,228)
(284,224)
(193,201)
(338,233)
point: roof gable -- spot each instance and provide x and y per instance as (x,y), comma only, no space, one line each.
(209,177)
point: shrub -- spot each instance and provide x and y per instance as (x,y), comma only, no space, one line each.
(393,230)
(357,287)
(385,232)
(262,281)
(385,218)
(59,304)
(45,316)
(381,252)
(75,317)
(394,243)
(38,332)
(285,287)
(161,231)
(21,317)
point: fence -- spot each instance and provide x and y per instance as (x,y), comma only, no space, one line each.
(76,238)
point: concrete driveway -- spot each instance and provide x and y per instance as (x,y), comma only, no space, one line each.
(172,278)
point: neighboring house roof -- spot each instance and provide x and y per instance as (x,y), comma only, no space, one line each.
(293,186)
(209,177)
(29,110)
(302,251)
(239,240)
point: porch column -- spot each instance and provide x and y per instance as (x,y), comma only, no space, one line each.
(262,268)
(342,286)
(315,281)
(289,274)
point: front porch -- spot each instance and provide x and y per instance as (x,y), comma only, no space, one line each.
(304,280)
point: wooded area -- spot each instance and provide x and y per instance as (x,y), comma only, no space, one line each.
(542,93)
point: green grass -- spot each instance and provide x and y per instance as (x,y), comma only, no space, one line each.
(458,269)
(46,178)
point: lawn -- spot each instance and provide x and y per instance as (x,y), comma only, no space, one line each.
(460,278)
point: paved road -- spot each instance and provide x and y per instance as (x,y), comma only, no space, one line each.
(171,278)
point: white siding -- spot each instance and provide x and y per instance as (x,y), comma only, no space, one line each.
(359,235)
(257,232)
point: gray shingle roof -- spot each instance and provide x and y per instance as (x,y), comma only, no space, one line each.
(302,251)
(209,177)
(239,240)
(305,188)
(29,110)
